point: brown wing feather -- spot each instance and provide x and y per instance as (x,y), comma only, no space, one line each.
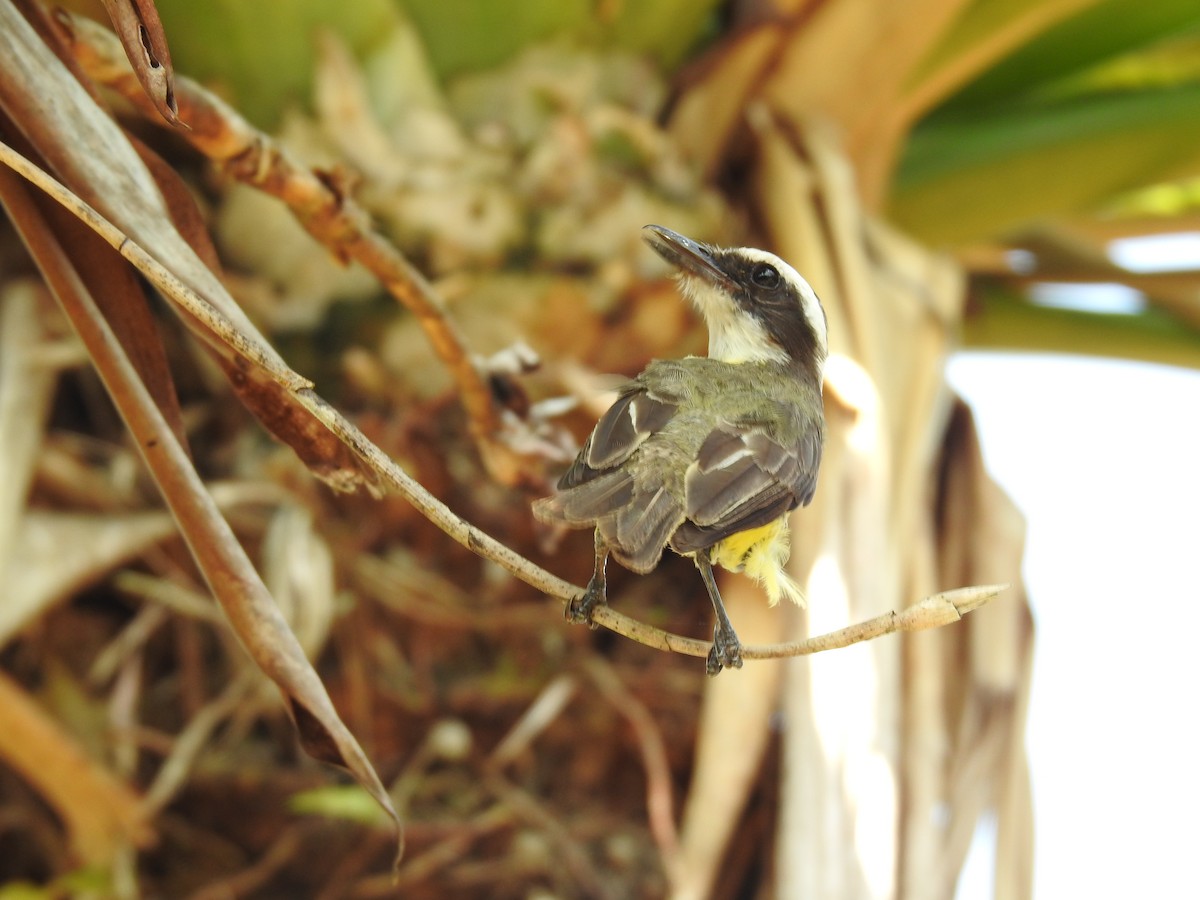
(637,533)
(621,430)
(634,523)
(743,479)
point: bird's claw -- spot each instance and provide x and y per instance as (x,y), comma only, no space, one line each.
(726,652)
(579,610)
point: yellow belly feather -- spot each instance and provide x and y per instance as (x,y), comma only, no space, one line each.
(762,553)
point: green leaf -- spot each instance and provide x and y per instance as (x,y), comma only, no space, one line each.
(260,55)
(1003,320)
(24,890)
(980,175)
(666,30)
(1163,200)
(84,882)
(1105,30)
(468,35)
(349,802)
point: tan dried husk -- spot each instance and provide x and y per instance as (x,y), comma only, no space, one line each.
(892,751)
(881,737)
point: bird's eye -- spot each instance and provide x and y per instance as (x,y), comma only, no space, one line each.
(765,276)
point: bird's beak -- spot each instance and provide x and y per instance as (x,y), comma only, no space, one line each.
(690,256)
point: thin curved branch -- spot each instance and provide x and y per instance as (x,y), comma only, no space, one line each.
(931,612)
(939,609)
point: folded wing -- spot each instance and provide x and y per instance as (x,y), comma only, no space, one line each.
(743,478)
(740,478)
(635,522)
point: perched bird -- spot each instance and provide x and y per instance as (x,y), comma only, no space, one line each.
(708,456)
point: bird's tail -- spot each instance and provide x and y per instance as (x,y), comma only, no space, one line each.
(778,583)
(766,563)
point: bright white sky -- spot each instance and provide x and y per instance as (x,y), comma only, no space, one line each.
(1103,457)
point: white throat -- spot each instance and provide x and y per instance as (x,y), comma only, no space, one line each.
(733,335)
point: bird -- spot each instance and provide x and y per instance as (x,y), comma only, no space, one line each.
(708,456)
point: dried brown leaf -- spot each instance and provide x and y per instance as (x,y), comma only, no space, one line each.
(288,418)
(40,574)
(119,294)
(140,30)
(91,155)
(175,263)
(252,613)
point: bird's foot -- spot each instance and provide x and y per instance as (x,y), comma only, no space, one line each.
(579,611)
(726,652)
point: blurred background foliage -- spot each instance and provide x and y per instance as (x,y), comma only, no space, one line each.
(1081,130)
(513,151)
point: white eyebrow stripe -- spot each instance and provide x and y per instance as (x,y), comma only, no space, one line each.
(809,302)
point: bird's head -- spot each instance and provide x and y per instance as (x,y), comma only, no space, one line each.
(757,307)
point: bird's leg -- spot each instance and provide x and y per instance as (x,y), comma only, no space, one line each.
(580,611)
(726,650)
